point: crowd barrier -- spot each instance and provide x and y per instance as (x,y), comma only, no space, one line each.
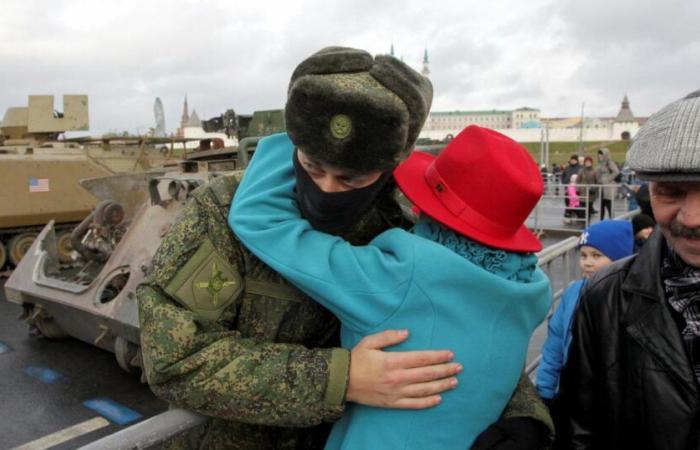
(556,212)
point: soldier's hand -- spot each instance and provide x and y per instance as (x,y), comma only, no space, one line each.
(408,380)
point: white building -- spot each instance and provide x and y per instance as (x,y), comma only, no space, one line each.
(191,127)
(526,125)
(442,124)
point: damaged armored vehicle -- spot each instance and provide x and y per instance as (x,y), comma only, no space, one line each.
(91,297)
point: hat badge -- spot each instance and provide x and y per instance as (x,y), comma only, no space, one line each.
(341,126)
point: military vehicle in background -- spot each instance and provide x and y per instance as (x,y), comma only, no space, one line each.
(246,128)
(93,297)
(41,173)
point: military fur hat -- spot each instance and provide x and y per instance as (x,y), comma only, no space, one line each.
(667,147)
(352,111)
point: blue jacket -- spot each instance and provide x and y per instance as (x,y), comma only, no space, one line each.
(556,346)
(399,281)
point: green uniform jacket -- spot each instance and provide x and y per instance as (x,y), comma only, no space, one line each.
(225,336)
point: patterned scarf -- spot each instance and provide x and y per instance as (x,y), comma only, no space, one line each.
(505,264)
(682,287)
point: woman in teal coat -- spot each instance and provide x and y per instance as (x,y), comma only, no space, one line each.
(464,278)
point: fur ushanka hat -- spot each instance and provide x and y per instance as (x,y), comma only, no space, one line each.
(352,111)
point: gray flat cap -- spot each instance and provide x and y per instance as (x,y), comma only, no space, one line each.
(667,147)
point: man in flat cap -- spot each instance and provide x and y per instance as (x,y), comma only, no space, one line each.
(224,335)
(631,380)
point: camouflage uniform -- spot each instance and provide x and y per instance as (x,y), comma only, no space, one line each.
(225,336)
(526,403)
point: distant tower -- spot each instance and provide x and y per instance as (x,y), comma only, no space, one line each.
(159,130)
(391,52)
(625,114)
(624,126)
(426,69)
(185,115)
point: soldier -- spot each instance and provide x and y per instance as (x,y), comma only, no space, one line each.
(224,335)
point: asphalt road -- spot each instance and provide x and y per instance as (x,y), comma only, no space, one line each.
(44,384)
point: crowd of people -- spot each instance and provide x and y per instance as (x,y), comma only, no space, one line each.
(586,186)
(300,307)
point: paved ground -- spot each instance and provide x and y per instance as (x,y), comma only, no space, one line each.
(44,383)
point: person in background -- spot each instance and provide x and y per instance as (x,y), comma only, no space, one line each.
(556,169)
(632,376)
(573,211)
(546,176)
(642,227)
(643,199)
(606,172)
(573,168)
(599,245)
(465,277)
(587,180)
(556,177)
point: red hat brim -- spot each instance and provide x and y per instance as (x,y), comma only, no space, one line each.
(410,176)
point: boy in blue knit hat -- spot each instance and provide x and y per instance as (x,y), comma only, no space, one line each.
(599,245)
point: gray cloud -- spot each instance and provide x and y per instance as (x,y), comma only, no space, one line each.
(549,54)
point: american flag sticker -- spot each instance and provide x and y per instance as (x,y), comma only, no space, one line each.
(38,185)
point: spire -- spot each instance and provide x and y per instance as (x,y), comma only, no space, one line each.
(185,114)
(625,114)
(391,52)
(426,62)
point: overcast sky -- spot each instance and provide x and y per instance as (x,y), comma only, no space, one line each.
(497,54)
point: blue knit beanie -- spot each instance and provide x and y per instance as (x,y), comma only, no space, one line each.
(613,238)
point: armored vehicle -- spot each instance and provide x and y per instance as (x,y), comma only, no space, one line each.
(41,173)
(92,298)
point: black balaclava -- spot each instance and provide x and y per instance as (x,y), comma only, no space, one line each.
(334,212)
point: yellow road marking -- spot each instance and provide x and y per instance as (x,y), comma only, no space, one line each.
(65,434)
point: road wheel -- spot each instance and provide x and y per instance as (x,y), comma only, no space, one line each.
(3,255)
(19,245)
(65,247)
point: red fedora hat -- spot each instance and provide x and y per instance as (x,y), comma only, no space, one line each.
(482,185)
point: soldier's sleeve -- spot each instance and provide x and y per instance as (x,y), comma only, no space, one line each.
(202,365)
(524,424)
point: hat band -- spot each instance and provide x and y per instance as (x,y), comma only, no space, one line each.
(455,205)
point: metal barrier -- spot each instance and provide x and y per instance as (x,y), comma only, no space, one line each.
(553,211)
(154,432)
(558,261)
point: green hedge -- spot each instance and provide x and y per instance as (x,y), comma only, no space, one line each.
(559,152)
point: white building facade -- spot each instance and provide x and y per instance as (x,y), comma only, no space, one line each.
(526,125)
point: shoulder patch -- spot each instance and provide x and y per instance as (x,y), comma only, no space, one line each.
(207,284)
